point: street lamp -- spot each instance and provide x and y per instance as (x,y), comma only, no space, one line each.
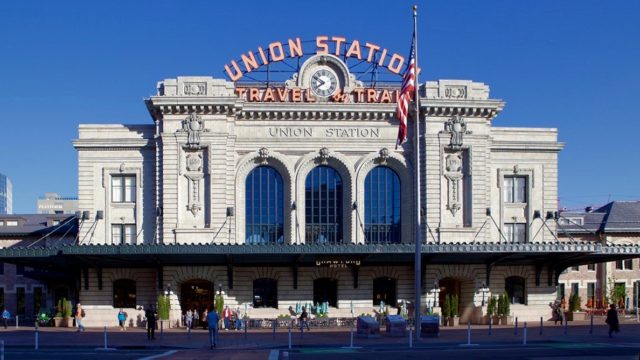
(436,290)
(484,290)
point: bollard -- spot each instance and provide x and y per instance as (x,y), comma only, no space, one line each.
(189,332)
(490,324)
(161,327)
(591,326)
(524,340)
(245,329)
(289,337)
(515,331)
(351,337)
(273,325)
(105,337)
(469,333)
(1,349)
(566,325)
(540,325)
(36,335)
(16,321)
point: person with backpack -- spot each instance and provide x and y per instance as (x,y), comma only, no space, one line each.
(122,320)
(80,314)
(6,315)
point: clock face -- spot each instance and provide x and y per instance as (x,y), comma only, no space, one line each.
(324,82)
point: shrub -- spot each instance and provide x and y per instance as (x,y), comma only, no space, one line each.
(446,307)
(454,305)
(506,306)
(219,304)
(574,302)
(491,306)
(164,305)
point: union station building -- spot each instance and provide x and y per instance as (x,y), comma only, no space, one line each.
(295,192)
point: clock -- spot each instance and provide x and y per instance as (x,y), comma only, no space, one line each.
(324,82)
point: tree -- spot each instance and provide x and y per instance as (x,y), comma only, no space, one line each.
(454,305)
(446,307)
(164,306)
(219,303)
(574,302)
(491,306)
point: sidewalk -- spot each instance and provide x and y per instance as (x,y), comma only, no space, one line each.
(265,340)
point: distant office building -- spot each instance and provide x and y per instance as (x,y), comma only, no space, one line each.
(52,203)
(6,195)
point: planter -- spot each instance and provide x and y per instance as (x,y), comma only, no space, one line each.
(61,322)
(575,316)
(454,321)
(486,319)
(506,320)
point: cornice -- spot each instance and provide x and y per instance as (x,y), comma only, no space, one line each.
(488,109)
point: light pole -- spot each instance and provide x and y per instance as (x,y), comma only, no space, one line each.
(484,291)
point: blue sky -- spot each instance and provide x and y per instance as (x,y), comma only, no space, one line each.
(567,64)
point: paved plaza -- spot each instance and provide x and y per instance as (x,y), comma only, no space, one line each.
(503,343)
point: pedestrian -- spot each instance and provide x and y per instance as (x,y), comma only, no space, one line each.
(303,319)
(188,319)
(238,319)
(612,320)
(151,316)
(196,318)
(212,322)
(556,310)
(205,325)
(80,314)
(122,320)
(6,315)
(226,315)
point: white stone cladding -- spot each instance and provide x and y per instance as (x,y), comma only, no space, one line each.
(188,180)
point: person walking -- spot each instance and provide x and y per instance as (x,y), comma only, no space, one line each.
(238,319)
(80,314)
(226,315)
(612,320)
(151,316)
(196,318)
(212,322)
(122,320)
(303,319)
(6,315)
(188,319)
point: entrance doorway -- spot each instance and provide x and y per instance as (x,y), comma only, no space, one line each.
(196,294)
(449,286)
(325,289)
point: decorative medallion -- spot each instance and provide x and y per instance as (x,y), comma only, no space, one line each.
(194,162)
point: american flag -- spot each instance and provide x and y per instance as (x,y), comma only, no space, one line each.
(407,93)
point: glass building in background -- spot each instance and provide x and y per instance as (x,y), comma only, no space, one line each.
(6,195)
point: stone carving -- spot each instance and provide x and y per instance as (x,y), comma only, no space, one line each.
(195,88)
(122,168)
(384,155)
(193,125)
(263,153)
(194,162)
(194,204)
(455,92)
(457,128)
(453,174)
(324,156)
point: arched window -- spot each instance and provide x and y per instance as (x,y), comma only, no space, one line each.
(382,206)
(124,293)
(265,293)
(264,211)
(516,290)
(325,290)
(384,289)
(323,206)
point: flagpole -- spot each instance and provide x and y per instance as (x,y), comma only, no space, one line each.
(418,230)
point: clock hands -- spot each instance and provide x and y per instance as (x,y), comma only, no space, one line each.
(322,82)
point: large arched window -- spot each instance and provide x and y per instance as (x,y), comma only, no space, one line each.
(516,290)
(124,293)
(325,290)
(264,211)
(382,206)
(323,206)
(265,293)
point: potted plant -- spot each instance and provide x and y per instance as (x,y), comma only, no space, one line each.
(446,310)
(574,308)
(491,309)
(504,309)
(63,313)
(455,319)
(164,307)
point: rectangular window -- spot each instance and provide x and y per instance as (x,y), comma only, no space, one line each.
(21,300)
(12,222)
(123,188)
(561,291)
(591,267)
(19,269)
(591,294)
(575,268)
(624,264)
(515,189)
(37,299)
(515,232)
(2,295)
(575,288)
(1,270)
(123,234)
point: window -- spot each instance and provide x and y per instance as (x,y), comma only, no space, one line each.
(123,234)
(515,189)
(515,232)
(382,206)
(323,206)
(591,293)
(575,288)
(265,293)
(37,299)
(123,188)
(21,300)
(264,207)
(2,296)
(1,268)
(575,268)
(19,269)
(1,222)
(515,287)
(12,222)
(624,264)
(384,289)
(325,290)
(124,293)
(55,222)
(561,291)
(591,267)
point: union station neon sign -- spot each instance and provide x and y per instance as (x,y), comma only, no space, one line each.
(294,48)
